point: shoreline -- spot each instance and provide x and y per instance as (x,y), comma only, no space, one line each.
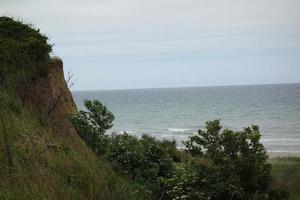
(273,155)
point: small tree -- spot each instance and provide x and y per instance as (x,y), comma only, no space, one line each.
(98,116)
(92,124)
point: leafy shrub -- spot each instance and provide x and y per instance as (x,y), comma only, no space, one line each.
(237,162)
(216,164)
(145,160)
(92,124)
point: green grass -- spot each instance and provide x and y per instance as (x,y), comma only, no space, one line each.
(35,162)
(287,174)
(30,169)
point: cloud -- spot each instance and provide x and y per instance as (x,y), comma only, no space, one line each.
(105,36)
(205,13)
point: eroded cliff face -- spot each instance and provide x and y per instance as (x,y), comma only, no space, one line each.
(59,86)
(51,99)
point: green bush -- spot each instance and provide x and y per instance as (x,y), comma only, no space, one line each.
(235,169)
(216,164)
(92,124)
(236,160)
(145,160)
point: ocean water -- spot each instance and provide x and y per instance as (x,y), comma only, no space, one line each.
(179,112)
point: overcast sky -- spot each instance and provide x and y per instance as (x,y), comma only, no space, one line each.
(117,44)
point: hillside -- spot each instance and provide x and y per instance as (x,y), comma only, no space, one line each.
(41,155)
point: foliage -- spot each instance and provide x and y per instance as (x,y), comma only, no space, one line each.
(24,53)
(68,171)
(286,171)
(98,116)
(145,160)
(216,164)
(93,123)
(236,161)
(34,162)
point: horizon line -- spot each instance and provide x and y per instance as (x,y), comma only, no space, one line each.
(178,87)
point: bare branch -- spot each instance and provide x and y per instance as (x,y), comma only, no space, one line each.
(55,100)
(70,81)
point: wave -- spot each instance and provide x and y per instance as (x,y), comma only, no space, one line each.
(287,152)
(178,130)
(281,140)
(127,131)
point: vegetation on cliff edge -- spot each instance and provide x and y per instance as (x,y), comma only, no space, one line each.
(35,163)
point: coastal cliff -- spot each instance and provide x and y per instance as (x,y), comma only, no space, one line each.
(42,156)
(51,98)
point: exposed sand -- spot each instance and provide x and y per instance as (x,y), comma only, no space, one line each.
(282,154)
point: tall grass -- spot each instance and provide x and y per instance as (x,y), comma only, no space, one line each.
(48,166)
(287,174)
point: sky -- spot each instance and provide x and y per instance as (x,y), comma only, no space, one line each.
(122,44)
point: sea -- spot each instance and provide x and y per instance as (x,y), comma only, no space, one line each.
(177,113)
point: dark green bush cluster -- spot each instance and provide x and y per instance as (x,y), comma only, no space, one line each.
(227,165)
(24,53)
(146,160)
(92,125)
(216,164)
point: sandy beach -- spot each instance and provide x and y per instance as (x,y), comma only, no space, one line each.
(282,154)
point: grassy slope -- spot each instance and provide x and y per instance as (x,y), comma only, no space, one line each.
(36,163)
(48,166)
(287,173)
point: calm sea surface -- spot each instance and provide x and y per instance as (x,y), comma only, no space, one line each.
(180,112)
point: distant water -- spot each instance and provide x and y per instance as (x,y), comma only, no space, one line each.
(179,112)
